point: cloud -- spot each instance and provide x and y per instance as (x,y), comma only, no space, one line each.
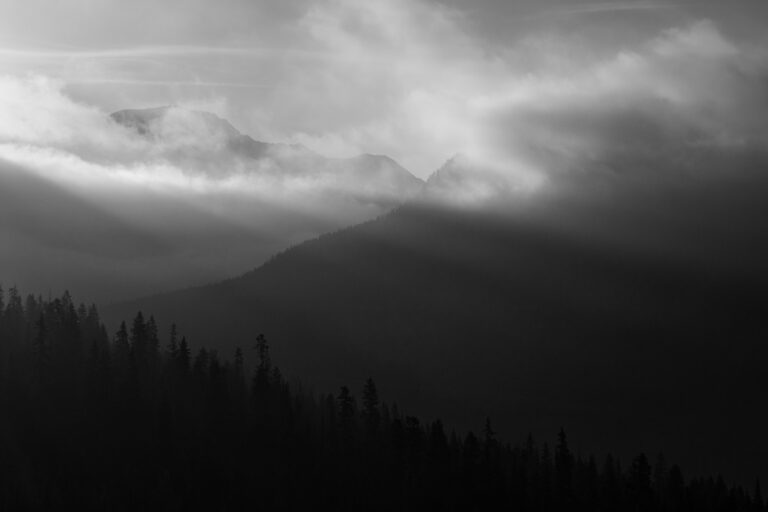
(685,89)
(605,7)
(397,85)
(420,80)
(81,148)
(409,79)
(128,214)
(36,112)
(412,81)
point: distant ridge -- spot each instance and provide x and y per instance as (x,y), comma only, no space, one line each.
(204,142)
(142,119)
(465,314)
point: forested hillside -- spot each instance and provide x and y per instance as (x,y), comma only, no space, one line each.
(134,420)
(462,315)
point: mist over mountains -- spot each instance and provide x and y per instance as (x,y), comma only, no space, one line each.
(201,142)
(194,201)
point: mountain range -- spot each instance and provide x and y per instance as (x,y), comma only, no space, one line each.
(189,200)
(630,329)
(202,142)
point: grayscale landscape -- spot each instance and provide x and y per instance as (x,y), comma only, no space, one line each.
(386,255)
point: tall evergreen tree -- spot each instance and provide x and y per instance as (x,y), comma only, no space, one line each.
(138,339)
(153,340)
(41,350)
(346,404)
(563,466)
(122,345)
(371,414)
(261,379)
(640,482)
(172,351)
(184,355)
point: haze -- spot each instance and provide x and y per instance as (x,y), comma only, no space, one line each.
(534,96)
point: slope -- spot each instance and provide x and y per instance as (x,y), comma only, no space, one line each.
(465,314)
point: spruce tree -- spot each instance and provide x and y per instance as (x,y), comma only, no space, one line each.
(184,356)
(371,414)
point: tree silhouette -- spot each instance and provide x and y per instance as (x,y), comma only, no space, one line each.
(172,351)
(105,433)
(563,467)
(371,415)
(640,482)
(184,355)
(261,380)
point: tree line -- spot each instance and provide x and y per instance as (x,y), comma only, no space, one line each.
(137,421)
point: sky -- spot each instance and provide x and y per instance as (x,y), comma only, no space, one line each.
(418,80)
(533,93)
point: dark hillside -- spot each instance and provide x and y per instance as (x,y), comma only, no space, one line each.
(463,315)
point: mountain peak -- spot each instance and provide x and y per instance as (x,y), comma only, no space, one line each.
(201,142)
(173,120)
(466,180)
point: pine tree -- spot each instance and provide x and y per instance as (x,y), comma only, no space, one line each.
(201,364)
(13,316)
(563,466)
(138,339)
(346,404)
(489,435)
(172,351)
(41,349)
(261,379)
(262,351)
(122,345)
(640,482)
(371,414)
(239,363)
(153,341)
(184,356)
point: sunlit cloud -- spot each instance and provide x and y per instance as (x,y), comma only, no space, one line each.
(414,80)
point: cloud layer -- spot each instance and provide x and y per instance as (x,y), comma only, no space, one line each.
(421,80)
(91,203)
(686,89)
(555,96)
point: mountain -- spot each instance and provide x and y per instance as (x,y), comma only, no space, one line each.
(149,121)
(175,198)
(466,181)
(460,179)
(203,143)
(618,318)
